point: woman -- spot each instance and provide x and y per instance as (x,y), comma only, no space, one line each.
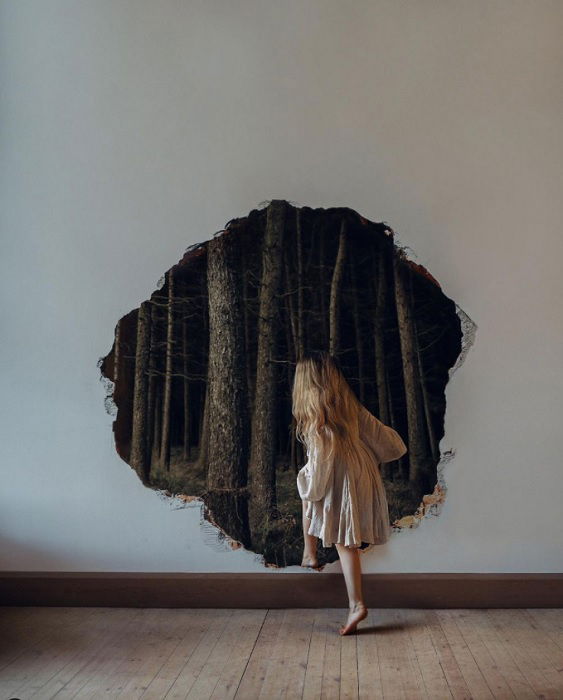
(344,500)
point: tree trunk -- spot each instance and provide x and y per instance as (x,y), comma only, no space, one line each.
(325,321)
(262,460)
(186,393)
(165,441)
(290,324)
(334,342)
(226,389)
(424,393)
(249,391)
(201,462)
(138,458)
(157,422)
(379,345)
(152,381)
(116,353)
(406,336)
(300,320)
(357,328)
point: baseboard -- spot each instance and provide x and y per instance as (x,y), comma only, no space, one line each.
(307,590)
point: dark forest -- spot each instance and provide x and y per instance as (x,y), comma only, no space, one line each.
(202,371)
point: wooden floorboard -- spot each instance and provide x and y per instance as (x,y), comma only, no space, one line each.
(171,653)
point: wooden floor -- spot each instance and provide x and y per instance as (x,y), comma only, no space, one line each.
(49,652)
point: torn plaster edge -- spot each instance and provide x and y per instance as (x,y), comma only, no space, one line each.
(193,246)
(211,533)
(178,501)
(431,504)
(109,388)
(214,537)
(468,333)
(265,203)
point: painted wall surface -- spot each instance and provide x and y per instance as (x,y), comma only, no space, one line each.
(134,129)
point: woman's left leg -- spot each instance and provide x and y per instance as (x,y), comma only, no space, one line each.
(352,570)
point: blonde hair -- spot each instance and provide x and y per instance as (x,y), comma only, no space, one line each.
(325,408)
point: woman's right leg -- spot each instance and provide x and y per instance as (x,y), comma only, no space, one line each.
(310,542)
(352,570)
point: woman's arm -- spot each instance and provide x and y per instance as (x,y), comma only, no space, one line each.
(314,477)
(385,442)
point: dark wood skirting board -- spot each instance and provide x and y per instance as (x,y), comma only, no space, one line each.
(307,590)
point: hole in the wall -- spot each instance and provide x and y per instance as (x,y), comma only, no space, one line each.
(186,372)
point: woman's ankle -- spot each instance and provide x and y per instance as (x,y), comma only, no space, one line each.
(312,558)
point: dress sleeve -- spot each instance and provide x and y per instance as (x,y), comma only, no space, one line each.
(385,442)
(314,477)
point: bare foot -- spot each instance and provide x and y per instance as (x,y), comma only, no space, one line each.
(357,613)
(310,562)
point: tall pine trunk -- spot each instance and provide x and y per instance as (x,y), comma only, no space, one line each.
(226,389)
(151,382)
(300,320)
(290,325)
(357,327)
(263,448)
(334,312)
(166,400)
(186,389)
(203,427)
(379,344)
(138,458)
(117,353)
(406,336)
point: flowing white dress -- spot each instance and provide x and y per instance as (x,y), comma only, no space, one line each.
(346,508)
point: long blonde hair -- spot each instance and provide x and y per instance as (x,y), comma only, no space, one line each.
(325,408)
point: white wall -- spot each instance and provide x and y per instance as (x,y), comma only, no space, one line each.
(132,129)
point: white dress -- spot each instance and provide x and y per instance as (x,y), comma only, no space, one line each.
(347,508)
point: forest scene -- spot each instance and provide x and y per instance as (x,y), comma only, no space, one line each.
(202,371)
